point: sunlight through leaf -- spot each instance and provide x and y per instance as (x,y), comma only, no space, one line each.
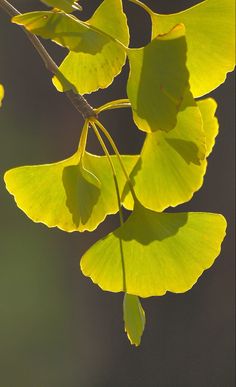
(134,318)
(69,195)
(153,253)
(210,35)
(158,81)
(172,165)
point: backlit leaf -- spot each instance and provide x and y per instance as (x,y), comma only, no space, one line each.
(91,71)
(173,164)
(134,318)
(65,5)
(67,194)
(158,80)
(210,34)
(210,123)
(64,29)
(153,253)
(98,46)
(1,94)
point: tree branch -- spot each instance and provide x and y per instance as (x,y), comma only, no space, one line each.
(77,100)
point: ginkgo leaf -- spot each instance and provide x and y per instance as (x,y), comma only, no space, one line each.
(158,80)
(70,195)
(89,72)
(1,94)
(210,35)
(153,253)
(172,165)
(65,5)
(134,318)
(66,30)
(98,46)
(210,123)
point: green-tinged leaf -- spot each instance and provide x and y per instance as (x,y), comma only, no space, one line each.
(111,19)
(65,5)
(153,253)
(65,30)
(134,318)
(172,165)
(210,34)
(98,46)
(210,123)
(158,81)
(69,195)
(1,94)
(89,72)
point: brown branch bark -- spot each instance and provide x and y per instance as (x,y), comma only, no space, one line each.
(77,100)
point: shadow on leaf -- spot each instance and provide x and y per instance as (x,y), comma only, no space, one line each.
(132,176)
(81,193)
(146,226)
(188,150)
(80,38)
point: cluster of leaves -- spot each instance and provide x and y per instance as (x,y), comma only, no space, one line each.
(189,55)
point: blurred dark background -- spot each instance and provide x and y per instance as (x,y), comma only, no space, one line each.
(57,329)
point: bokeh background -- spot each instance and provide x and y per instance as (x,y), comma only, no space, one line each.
(57,329)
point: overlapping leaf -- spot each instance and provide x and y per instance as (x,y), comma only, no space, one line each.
(1,94)
(63,29)
(158,81)
(172,165)
(155,252)
(89,72)
(70,195)
(134,318)
(210,34)
(98,45)
(65,5)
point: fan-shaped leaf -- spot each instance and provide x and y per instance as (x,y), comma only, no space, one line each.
(172,165)
(1,94)
(134,318)
(65,5)
(210,34)
(67,194)
(98,45)
(65,30)
(155,252)
(158,81)
(90,72)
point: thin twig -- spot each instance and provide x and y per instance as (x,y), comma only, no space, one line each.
(115,149)
(77,100)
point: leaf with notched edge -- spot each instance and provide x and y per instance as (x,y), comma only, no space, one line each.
(172,165)
(97,46)
(70,195)
(210,35)
(153,253)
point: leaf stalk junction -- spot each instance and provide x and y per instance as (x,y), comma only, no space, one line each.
(168,170)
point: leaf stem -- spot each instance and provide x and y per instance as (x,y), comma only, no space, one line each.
(83,139)
(115,149)
(77,100)
(117,104)
(103,145)
(142,5)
